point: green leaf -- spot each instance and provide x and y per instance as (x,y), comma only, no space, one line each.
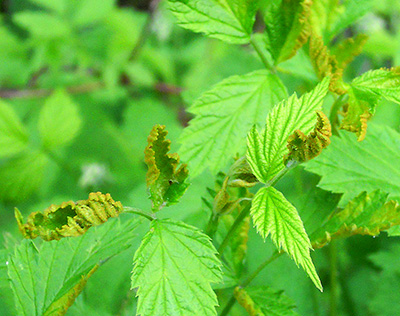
(265,301)
(274,215)
(350,167)
(381,83)
(42,25)
(367,214)
(13,135)
(323,14)
(89,11)
(57,6)
(265,152)
(3,268)
(59,120)
(22,175)
(166,183)
(173,269)
(287,27)
(224,115)
(231,21)
(41,275)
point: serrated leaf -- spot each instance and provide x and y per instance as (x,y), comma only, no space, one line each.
(173,269)
(59,120)
(349,48)
(224,115)
(13,135)
(367,214)
(274,215)
(287,27)
(350,167)
(41,275)
(265,152)
(166,183)
(231,21)
(22,175)
(265,301)
(69,219)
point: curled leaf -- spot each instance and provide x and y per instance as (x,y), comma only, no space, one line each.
(303,148)
(69,219)
(166,183)
(240,174)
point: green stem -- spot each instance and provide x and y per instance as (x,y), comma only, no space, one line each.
(149,216)
(212,225)
(263,58)
(248,280)
(333,278)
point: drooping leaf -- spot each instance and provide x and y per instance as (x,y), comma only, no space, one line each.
(69,219)
(287,28)
(230,21)
(166,183)
(223,117)
(59,120)
(173,269)
(367,214)
(350,167)
(303,148)
(13,135)
(349,48)
(265,301)
(22,175)
(274,215)
(41,275)
(265,152)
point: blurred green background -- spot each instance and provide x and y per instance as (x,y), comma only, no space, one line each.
(107,71)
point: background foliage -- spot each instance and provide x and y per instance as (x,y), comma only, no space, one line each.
(81,86)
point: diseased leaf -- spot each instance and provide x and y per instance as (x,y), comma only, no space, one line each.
(349,48)
(166,183)
(303,148)
(22,175)
(69,219)
(223,117)
(265,152)
(59,120)
(265,301)
(173,269)
(367,214)
(41,275)
(350,167)
(231,21)
(13,135)
(274,215)
(287,28)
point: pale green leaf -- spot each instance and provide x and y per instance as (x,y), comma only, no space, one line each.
(375,84)
(231,21)
(223,117)
(265,152)
(22,175)
(350,167)
(367,214)
(265,301)
(40,275)
(287,28)
(13,135)
(42,25)
(59,120)
(274,215)
(173,269)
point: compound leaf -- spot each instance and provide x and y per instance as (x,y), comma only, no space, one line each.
(350,167)
(13,135)
(231,21)
(41,275)
(367,214)
(59,120)
(223,117)
(274,215)
(166,183)
(264,301)
(265,153)
(173,269)
(287,27)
